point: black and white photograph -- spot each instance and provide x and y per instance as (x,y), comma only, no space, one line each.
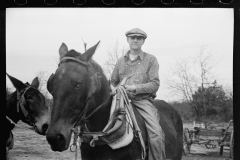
(119,83)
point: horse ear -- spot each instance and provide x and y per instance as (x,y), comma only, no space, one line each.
(35,83)
(49,83)
(63,50)
(95,84)
(19,85)
(89,53)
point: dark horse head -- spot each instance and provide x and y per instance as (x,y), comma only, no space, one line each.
(78,82)
(28,105)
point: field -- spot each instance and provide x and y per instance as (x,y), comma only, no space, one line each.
(31,146)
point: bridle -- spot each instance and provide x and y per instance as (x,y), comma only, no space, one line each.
(21,105)
(82,116)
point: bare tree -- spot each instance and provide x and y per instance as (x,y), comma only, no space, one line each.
(204,65)
(8,91)
(229,94)
(182,83)
(113,55)
(43,78)
(188,75)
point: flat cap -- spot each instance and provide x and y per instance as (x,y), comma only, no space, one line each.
(136,32)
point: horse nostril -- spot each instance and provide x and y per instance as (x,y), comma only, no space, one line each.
(44,128)
(57,141)
(60,138)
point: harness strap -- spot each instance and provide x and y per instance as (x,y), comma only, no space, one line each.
(87,64)
(21,101)
(130,109)
(74,59)
(11,121)
(25,112)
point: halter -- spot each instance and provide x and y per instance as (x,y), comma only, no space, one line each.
(79,61)
(21,102)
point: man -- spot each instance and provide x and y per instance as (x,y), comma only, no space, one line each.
(141,70)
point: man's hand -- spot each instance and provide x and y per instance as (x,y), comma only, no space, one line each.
(131,88)
(114,90)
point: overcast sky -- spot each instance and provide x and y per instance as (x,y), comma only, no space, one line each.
(33,37)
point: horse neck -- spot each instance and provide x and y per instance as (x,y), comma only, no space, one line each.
(99,119)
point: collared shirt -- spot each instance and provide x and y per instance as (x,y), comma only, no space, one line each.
(142,72)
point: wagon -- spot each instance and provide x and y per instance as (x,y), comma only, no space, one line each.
(210,137)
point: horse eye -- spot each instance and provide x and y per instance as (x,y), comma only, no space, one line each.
(76,84)
(29,97)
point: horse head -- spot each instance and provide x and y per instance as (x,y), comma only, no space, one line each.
(31,105)
(77,82)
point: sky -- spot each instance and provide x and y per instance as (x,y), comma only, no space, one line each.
(34,36)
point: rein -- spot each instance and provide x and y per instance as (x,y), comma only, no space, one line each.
(82,117)
(76,126)
(29,128)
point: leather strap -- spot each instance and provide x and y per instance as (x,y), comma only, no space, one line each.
(21,101)
(130,109)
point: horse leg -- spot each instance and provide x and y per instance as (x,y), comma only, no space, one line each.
(179,147)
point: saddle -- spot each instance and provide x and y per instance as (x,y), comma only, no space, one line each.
(119,130)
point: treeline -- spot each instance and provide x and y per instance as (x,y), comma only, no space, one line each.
(208,104)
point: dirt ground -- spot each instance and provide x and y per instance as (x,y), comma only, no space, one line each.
(31,146)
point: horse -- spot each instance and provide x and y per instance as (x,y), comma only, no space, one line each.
(28,105)
(81,96)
